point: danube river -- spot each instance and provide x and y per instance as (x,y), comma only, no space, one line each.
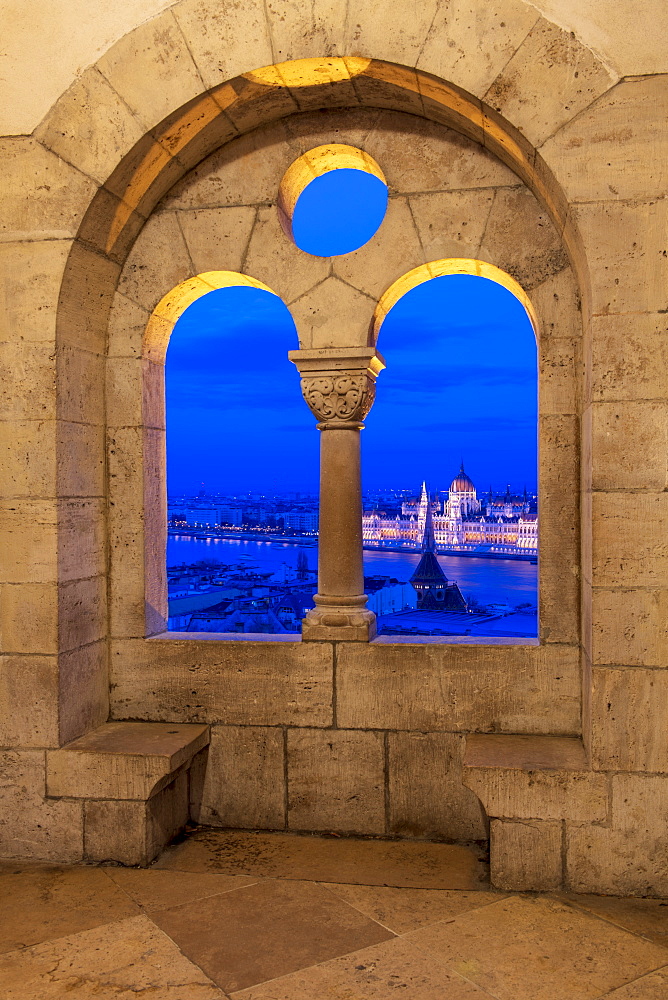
(490,581)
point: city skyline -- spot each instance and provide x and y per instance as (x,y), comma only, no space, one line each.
(486,523)
(404,492)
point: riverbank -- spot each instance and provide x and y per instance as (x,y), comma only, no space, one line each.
(473,553)
(310,541)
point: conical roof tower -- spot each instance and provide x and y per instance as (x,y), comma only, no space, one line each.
(434,593)
(428,573)
(428,536)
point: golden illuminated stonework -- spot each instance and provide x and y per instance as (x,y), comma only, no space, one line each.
(439,269)
(172,305)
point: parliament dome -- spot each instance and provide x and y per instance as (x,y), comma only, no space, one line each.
(462,483)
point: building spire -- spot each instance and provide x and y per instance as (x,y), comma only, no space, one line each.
(428,536)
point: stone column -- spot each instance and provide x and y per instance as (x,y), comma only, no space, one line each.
(338,385)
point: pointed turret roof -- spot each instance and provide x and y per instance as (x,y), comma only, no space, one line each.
(428,570)
(428,536)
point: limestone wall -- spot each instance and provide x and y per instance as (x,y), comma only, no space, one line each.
(44,49)
(585,149)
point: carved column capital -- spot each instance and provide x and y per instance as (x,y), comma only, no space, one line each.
(338,385)
(344,396)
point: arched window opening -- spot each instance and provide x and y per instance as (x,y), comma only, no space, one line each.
(241,468)
(450,521)
(332,200)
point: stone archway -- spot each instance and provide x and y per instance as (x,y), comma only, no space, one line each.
(149,679)
(568,109)
(348,302)
(167,151)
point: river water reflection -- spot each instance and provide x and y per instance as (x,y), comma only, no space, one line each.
(490,581)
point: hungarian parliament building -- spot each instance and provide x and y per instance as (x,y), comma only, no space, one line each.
(497,526)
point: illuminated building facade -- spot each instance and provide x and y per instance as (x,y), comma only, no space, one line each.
(495,526)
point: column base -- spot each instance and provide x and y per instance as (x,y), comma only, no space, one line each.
(342,623)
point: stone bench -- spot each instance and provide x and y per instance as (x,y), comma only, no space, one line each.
(137,780)
(530,786)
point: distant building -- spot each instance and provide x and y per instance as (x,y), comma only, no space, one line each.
(230,515)
(515,625)
(291,607)
(302,520)
(502,525)
(250,616)
(184,602)
(202,517)
(394,597)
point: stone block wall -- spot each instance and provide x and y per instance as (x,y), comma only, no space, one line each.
(580,221)
(343,737)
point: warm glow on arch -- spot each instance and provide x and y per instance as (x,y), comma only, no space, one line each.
(268,93)
(313,72)
(172,306)
(441,268)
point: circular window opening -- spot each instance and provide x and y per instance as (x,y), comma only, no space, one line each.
(332,200)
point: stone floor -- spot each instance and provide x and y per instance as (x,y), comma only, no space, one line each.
(282,917)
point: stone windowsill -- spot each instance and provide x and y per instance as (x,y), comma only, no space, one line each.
(384,640)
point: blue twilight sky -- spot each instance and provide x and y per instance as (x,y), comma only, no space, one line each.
(461,382)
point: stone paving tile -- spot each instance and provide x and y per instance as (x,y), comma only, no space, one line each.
(648,917)
(405,910)
(159,890)
(652,987)
(383,972)
(416,864)
(267,930)
(40,902)
(119,961)
(538,949)
(76,932)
